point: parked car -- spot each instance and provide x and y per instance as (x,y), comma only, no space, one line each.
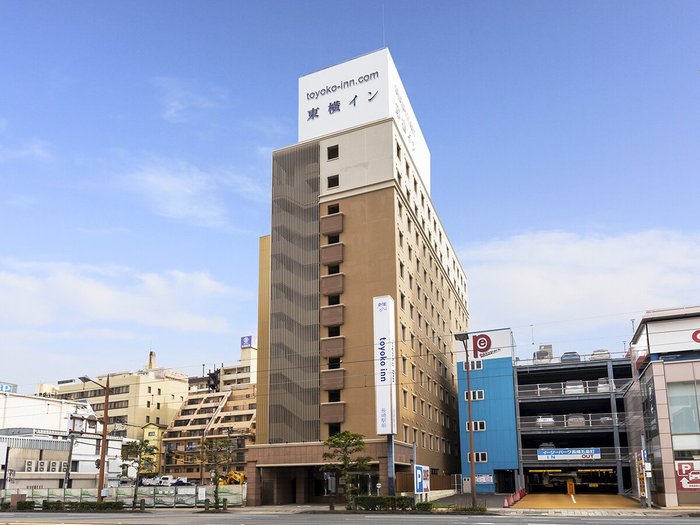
(576,420)
(603,385)
(605,421)
(600,355)
(574,386)
(570,357)
(544,420)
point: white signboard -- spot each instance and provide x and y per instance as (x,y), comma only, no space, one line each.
(385,364)
(3,453)
(675,335)
(484,478)
(554,454)
(359,91)
(421,479)
(490,344)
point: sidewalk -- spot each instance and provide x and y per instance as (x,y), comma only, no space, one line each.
(563,505)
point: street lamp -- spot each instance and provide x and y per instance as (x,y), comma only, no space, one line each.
(464,337)
(103,446)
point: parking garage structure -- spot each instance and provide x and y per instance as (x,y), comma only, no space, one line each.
(571,424)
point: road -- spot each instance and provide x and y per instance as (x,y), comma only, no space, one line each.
(243,518)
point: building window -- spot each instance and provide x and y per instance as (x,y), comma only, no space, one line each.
(333,239)
(333,429)
(333,300)
(479,426)
(333,331)
(334,396)
(405,398)
(479,457)
(149,389)
(403,365)
(333,269)
(159,391)
(333,152)
(333,363)
(148,419)
(414,401)
(474,365)
(148,404)
(477,395)
(405,433)
(398,151)
(157,406)
(333,181)
(333,208)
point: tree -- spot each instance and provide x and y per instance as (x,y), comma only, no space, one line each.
(141,455)
(217,457)
(342,459)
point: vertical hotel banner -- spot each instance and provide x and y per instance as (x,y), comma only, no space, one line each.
(385,364)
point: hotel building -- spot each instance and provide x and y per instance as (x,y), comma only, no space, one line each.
(356,246)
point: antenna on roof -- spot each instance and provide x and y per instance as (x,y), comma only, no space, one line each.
(383,32)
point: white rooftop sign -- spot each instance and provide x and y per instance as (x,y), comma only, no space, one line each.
(357,92)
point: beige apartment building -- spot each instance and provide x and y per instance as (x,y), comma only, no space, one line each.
(150,395)
(227,415)
(352,220)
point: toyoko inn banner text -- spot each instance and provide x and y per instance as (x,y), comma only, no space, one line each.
(385,364)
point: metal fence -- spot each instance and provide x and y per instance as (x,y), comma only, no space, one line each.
(572,388)
(153,496)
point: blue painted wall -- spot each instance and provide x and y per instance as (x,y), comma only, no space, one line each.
(498,410)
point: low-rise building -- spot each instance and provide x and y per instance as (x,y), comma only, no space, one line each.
(53,443)
(150,395)
(663,407)
(228,415)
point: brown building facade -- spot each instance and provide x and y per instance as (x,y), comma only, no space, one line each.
(352,219)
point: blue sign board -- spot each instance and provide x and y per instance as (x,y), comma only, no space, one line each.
(550,454)
(247,341)
(8,387)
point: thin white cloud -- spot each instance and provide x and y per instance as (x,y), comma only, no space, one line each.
(583,289)
(179,102)
(3,124)
(31,150)
(90,299)
(181,191)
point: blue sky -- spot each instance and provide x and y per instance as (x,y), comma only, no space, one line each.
(135,142)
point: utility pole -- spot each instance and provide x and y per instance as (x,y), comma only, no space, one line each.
(464,337)
(103,447)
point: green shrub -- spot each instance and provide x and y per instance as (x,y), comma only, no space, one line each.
(372,503)
(94,506)
(52,505)
(25,505)
(478,509)
(424,506)
(5,505)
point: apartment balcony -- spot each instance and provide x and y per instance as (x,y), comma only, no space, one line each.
(331,224)
(332,379)
(332,315)
(332,253)
(332,284)
(332,347)
(332,412)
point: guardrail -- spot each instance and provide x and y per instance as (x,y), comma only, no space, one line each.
(572,387)
(571,421)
